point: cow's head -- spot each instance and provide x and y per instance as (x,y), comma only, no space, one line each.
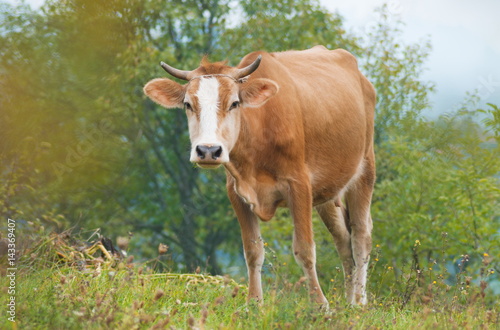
(213,99)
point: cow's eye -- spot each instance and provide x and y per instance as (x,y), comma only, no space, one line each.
(234,105)
(187,106)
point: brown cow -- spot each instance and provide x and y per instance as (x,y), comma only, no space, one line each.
(298,132)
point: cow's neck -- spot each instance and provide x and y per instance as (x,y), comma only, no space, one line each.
(251,182)
(241,167)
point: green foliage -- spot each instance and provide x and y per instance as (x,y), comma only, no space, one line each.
(307,24)
(443,185)
(103,155)
(394,69)
(492,123)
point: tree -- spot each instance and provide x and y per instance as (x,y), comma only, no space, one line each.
(104,155)
(395,71)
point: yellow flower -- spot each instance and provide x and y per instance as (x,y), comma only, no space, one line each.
(434,282)
(417,242)
(486,254)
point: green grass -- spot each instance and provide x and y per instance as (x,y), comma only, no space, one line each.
(51,294)
(65,298)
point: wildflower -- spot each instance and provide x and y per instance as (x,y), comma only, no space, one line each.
(430,268)
(434,282)
(417,242)
(265,244)
(376,259)
(159,294)
(219,301)
(378,245)
(190,321)
(284,264)
(122,242)
(204,315)
(235,291)
(486,254)
(162,248)
(332,280)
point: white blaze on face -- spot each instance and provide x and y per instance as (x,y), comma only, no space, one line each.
(213,124)
(208,100)
(204,129)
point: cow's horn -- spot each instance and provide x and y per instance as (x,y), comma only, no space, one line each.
(181,74)
(243,72)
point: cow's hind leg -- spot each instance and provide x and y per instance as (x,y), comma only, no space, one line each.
(334,220)
(358,198)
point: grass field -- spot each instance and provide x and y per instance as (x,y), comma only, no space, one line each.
(57,290)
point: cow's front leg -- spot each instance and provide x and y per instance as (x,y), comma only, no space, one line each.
(253,245)
(304,248)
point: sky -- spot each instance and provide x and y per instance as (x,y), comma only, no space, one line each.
(465,36)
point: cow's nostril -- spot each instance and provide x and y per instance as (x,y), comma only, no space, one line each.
(201,151)
(217,152)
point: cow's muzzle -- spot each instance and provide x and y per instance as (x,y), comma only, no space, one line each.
(208,156)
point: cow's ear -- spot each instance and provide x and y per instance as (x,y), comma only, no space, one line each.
(165,92)
(257,92)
